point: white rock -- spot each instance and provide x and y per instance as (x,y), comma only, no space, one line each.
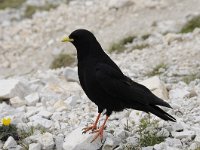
(119,4)
(178,93)
(197,139)
(32,99)
(120,133)
(12,87)
(110,143)
(163,133)
(160,146)
(76,141)
(37,120)
(184,134)
(71,75)
(193,146)
(17,102)
(45,114)
(173,142)
(10,143)
(133,141)
(156,86)
(47,141)
(72,100)
(35,146)
(148,148)
(59,140)
(60,106)
(177,127)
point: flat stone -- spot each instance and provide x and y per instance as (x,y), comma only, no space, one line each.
(32,99)
(17,102)
(60,106)
(184,134)
(173,142)
(10,143)
(177,127)
(10,88)
(178,93)
(147,148)
(110,143)
(160,146)
(71,75)
(37,120)
(47,141)
(59,140)
(156,86)
(76,141)
(120,133)
(72,100)
(35,146)
(45,114)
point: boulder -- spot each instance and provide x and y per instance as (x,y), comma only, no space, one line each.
(10,88)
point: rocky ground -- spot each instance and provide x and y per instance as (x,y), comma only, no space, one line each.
(49,108)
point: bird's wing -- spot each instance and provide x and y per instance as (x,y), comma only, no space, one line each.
(117,85)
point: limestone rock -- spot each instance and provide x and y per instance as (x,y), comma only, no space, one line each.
(156,86)
(17,102)
(10,88)
(35,146)
(71,75)
(76,141)
(10,143)
(32,99)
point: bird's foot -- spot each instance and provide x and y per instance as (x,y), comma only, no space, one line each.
(86,129)
(99,133)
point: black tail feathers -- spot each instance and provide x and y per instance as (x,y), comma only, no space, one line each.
(160,113)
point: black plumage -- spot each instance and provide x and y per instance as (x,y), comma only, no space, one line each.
(106,85)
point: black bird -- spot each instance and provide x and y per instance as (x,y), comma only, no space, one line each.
(106,85)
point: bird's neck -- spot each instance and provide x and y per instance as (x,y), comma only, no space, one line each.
(89,51)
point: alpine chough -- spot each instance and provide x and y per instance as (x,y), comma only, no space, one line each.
(106,85)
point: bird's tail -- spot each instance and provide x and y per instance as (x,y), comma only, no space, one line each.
(161,113)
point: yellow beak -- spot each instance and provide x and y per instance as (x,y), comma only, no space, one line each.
(67,39)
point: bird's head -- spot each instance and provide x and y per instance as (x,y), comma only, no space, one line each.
(81,39)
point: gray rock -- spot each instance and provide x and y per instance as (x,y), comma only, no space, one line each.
(119,4)
(147,148)
(163,133)
(32,99)
(12,87)
(184,134)
(160,146)
(35,146)
(59,140)
(17,102)
(178,93)
(72,100)
(177,127)
(120,133)
(133,141)
(71,75)
(45,114)
(37,120)
(76,141)
(110,143)
(173,142)
(156,86)
(193,146)
(10,143)
(197,139)
(47,141)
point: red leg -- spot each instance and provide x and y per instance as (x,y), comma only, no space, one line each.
(94,126)
(100,131)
